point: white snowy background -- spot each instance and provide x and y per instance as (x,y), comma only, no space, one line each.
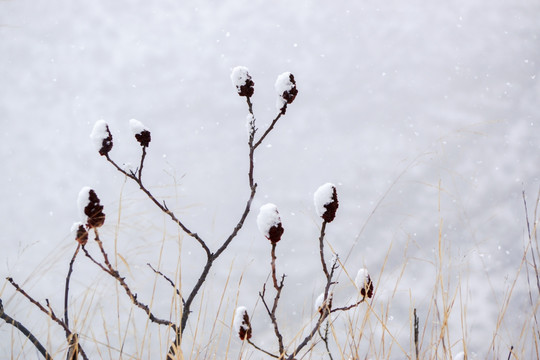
(427,112)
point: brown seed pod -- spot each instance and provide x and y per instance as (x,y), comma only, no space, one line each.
(243,82)
(241,323)
(326,202)
(102,137)
(82,235)
(141,132)
(91,208)
(269,223)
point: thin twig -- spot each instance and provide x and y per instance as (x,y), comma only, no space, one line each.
(133,296)
(162,206)
(416,323)
(273,265)
(66,289)
(321,250)
(272,312)
(267,131)
(262,350)
(168,280)
(49,312)
(324,313)
(11,321)
(325,339)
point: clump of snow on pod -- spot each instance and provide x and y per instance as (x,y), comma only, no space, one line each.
(286,90)
(242,81)
(363,283)
(141,132)
(326,201)
(241,324)
(269,222)
(102,138)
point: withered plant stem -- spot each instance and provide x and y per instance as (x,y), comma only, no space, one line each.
(49,312)
(273,264)
(416,323)
(325,312)
(66,289)
(73,340)
(272,313)
(321,248)
(17,325)
(168,280)
(325,339)
(109,269)
(210,256)
(262,350)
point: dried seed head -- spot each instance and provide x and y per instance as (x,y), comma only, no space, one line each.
(141,132)
(102,137)
(81,235)
(242,81)
(326,201)
(91,209)
(241,323)
(363,283)
(286,89)
(269,223)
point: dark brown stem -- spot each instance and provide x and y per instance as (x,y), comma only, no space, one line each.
(510,352)
(11,321)
(66,290)
(324,313)
(321,250)
(168,280)
(143,156)
(49,313)
(162,206)
(115,274)
(345,308)
(416,330)
(259,142)
(272,312)
(273,264)
(325,339)
(262,350)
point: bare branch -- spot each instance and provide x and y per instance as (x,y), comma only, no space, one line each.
(49,313)
(11,321)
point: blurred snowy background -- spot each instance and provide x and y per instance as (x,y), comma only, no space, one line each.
(404,105)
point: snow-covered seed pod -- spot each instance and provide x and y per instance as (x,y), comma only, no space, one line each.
(326,201)
(141,132)
(286,89)
(320,304)
(241,323)
(90,208)
(81,235)
(102,137)
(242,81)
(269,222)
(363,283)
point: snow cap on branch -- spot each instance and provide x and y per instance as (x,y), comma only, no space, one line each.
(320,304)
(141,132)
(90,208)
(241,323)
(363,283)
(326,201)
(102,137)
(81,235)
(269,222)
(286,90)
(242,81)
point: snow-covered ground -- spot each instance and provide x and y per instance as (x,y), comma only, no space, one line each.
(427,112)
